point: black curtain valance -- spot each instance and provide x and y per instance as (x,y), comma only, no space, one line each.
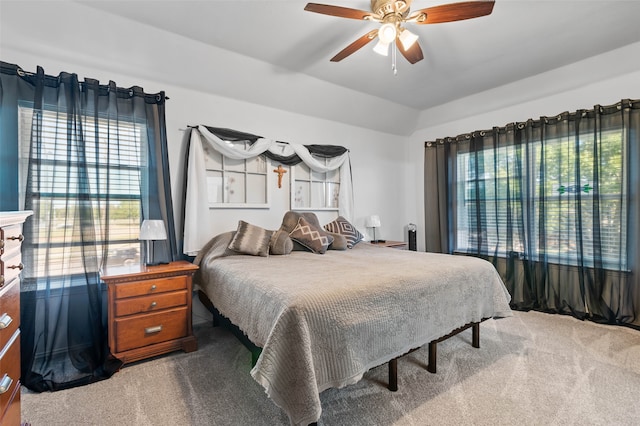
(324,151)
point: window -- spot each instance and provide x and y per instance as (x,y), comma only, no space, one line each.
(236,183)
(314,190)
(113,180)
(504,195)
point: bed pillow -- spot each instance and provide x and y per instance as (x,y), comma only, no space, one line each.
(251,239)
(311,237)
(280,243)
(290,221)
(343,227)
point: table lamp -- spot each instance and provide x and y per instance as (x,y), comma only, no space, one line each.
(150,231)
(373,221)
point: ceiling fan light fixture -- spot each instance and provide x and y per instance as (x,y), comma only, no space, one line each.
(381,48)
(407,38)
(387,33)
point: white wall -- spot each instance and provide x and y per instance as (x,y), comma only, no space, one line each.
(604,80)
(45,36)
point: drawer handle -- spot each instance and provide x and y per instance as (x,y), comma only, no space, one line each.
(19,266)
(154,304)
(151,330)
(19,238)
(5,384)
(153,287)
(5,320)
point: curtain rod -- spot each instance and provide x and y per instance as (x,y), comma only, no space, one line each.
(23,73)
(624,103)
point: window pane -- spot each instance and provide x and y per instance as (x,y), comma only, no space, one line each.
(256,189)
(234,165)
(212,159)
(301,198)
(257,164)
(235,185)
(333,175)
(333,192)
(317,195)
(215,187)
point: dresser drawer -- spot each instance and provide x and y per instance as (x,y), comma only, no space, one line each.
(142,288)
(142,330)
(152,303)
(9,311)
(10,268)
(9,370)
(10,239)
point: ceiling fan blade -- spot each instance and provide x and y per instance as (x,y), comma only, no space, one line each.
(412,54)
(353,47)
(452,12)
(341,12)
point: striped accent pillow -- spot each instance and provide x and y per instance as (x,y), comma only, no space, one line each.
(315,239)
(343,227)
(251,239)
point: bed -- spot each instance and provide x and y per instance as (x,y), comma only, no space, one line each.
(323,320)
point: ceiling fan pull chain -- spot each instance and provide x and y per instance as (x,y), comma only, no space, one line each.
(393,60)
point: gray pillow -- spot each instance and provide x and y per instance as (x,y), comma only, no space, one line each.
(343,227)
(315,239)
(280,243)
(290,220)
(251,239)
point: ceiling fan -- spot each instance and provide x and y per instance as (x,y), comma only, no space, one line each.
(392,14)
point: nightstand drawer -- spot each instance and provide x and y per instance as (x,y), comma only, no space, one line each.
(143,288)
(9,371)
(142,330)
(152,303)
(9,312)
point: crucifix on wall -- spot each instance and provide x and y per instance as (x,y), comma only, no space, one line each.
(280,171)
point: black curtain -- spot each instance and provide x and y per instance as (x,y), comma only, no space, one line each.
(91,161)
(553,203)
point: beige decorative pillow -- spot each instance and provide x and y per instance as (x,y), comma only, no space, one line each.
(315,239)
(280,243)
(251,239)
(343,227)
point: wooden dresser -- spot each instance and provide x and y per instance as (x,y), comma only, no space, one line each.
(10,267)
(150,310)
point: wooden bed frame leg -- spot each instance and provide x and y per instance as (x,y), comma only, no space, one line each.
(475,340)
(433,349)
(393,375)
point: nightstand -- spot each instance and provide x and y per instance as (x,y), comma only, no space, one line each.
(392,244)
(150,310)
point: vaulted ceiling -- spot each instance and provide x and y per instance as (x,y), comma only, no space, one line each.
(519,39)
(274,53)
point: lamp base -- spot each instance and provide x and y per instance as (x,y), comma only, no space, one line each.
(156,263)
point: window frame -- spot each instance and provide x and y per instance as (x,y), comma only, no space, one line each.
(68,272)
(211,168)
(295,177)
(532,200)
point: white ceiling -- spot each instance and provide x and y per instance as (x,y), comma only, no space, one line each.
(519,39)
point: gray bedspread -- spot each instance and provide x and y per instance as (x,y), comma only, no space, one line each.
(324,320)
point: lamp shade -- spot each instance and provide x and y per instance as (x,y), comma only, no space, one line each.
(153,230)
(372,221)
(407,38)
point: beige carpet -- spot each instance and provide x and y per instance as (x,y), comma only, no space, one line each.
(532,369)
